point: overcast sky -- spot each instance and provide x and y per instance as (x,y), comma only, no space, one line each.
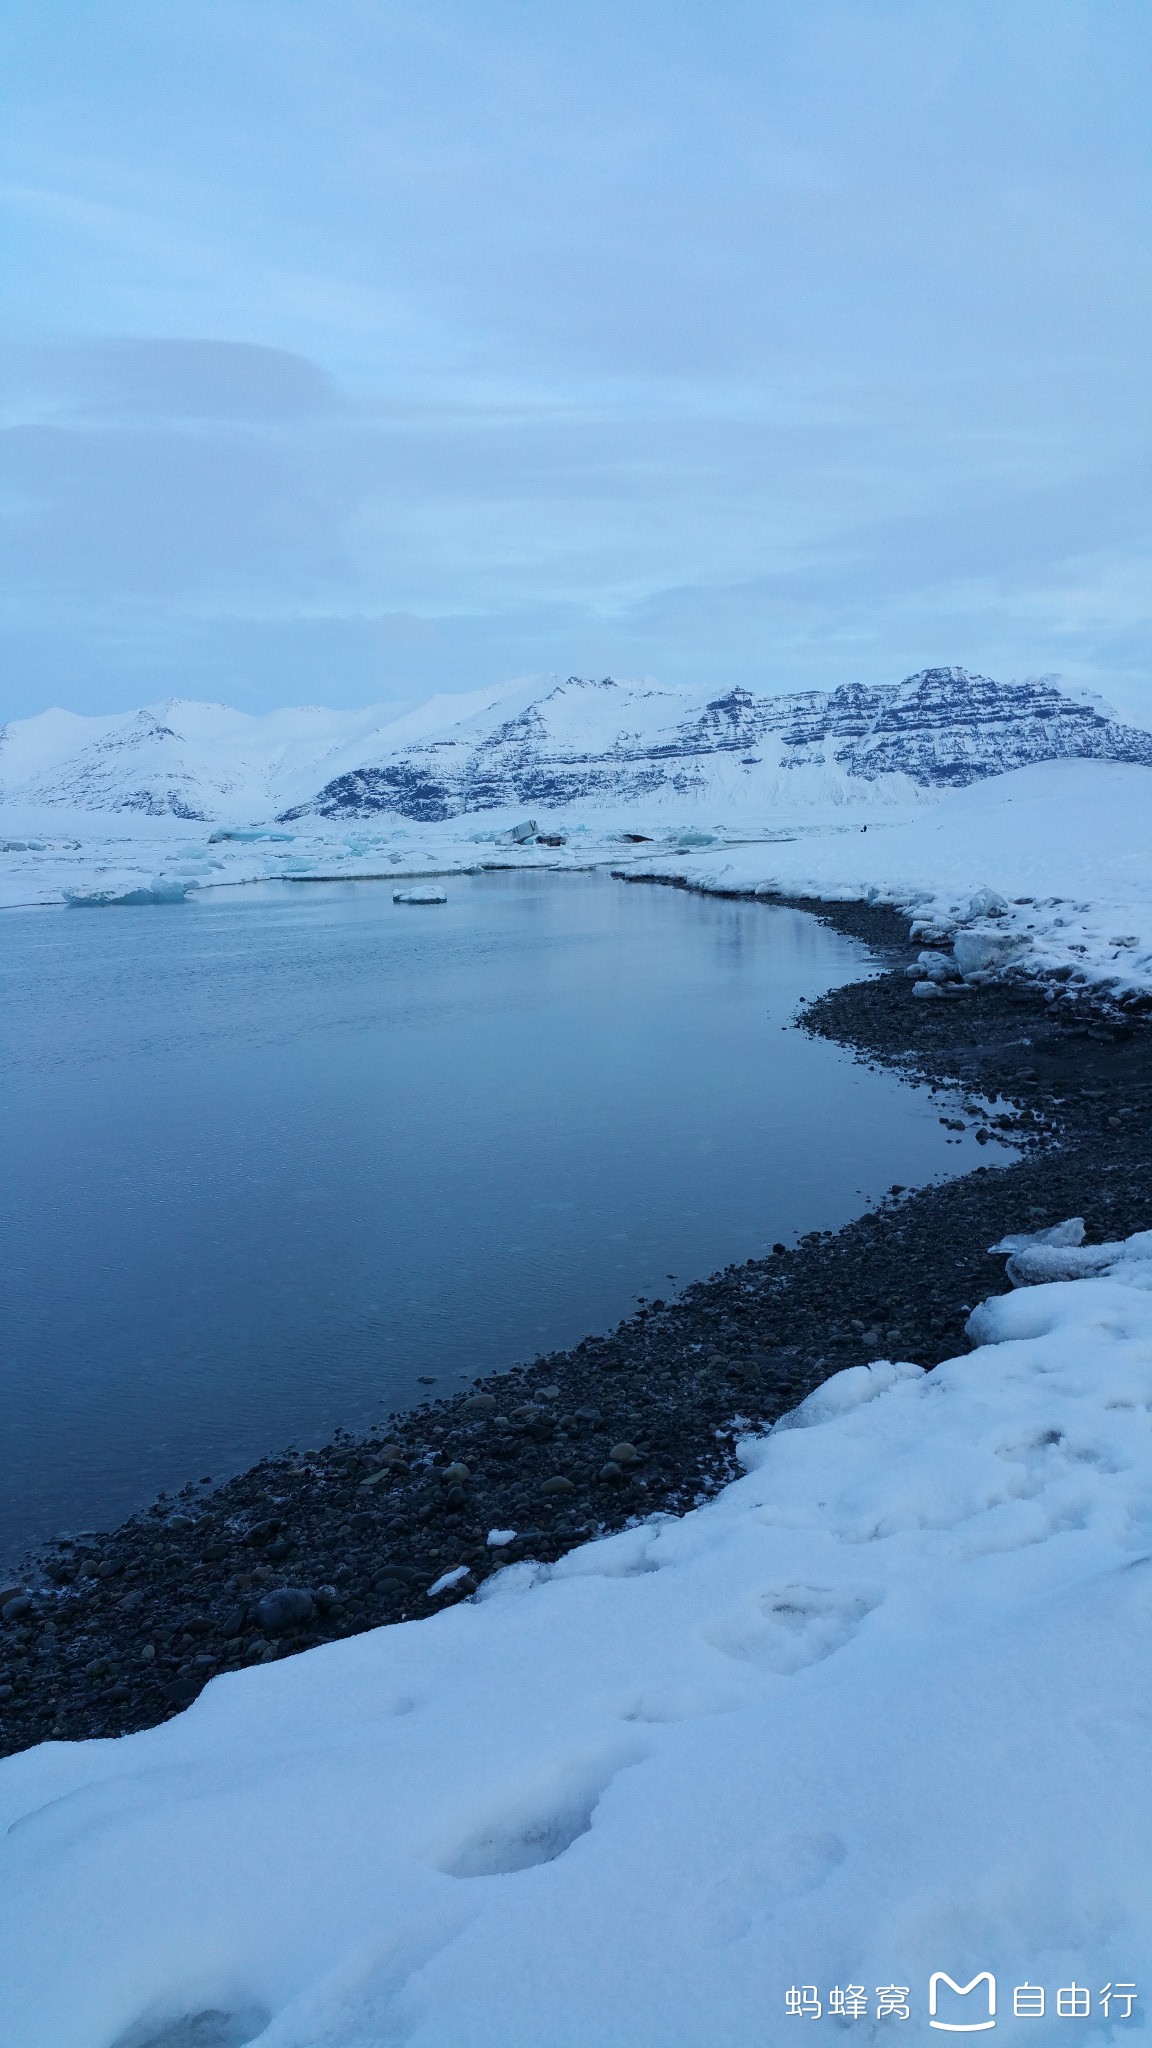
(355,349)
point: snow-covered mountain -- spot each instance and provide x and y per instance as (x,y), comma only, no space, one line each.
(178,759)
(550,745)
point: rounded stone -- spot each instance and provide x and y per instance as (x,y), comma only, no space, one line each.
(455,1475)
(558,1485)
(479,1404)
(287,1608)
(624,1454)
(17,1607)
(611,1470)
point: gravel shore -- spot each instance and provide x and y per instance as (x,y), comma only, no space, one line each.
(118,1631)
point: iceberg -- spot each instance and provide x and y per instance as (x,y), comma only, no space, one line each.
(246,835)
(163,889)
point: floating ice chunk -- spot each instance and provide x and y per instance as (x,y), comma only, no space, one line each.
(517,835)
(497,1538)
(245,835)
(927,988)
(162,889)
(420,896)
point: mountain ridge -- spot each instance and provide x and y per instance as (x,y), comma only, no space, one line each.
(939,728)
(549,744)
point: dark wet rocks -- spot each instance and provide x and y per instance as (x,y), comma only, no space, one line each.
(120,1629)
(280,1612)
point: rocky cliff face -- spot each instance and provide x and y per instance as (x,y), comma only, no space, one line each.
(940,728)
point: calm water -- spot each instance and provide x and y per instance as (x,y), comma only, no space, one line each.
(269,1156)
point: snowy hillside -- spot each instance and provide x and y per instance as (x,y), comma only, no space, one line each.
(552,745)
(878,1711)
(181,760)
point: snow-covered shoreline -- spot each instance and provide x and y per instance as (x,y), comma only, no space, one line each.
(877,1710)
(1066,845)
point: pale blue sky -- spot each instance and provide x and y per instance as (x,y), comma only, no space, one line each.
(355,350)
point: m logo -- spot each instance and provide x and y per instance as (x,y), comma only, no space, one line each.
(962,1991)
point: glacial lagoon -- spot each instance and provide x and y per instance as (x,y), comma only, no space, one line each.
(292,1156)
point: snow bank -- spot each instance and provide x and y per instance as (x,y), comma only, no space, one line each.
(1045,868)
(879,1710)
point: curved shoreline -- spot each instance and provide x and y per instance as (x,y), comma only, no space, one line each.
(119,1631)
